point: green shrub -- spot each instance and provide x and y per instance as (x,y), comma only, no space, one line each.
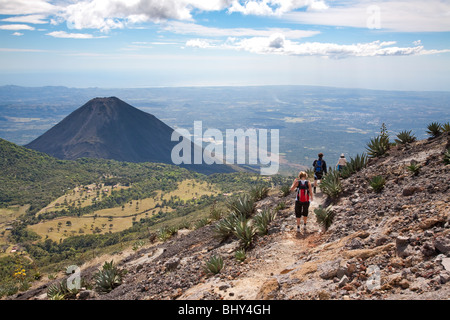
(324,216)
(108,278)
(240,255)
(413,168)
(225,227)
(214,265)
(405,137)
(201,223)
(434,129)
(245,232)
(377,183)
(378,146)
(446,127)
(280,206)
(263,219)
(166,232)
(331,184)
(354,165)
(60,291)
(285,190)
(215,214)
(259,192)
(243,204)
(447,156)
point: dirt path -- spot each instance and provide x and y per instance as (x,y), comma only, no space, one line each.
(274,258)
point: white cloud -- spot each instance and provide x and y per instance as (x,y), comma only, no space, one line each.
(21,7)
(198,43)
(16,27)
(33,18)
(397,15)
(278,44)
(275,7)
(179,27)
(65,35)
(17,34)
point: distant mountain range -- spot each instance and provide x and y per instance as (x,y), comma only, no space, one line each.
(109,128)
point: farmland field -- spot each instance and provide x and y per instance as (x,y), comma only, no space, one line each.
(115,219)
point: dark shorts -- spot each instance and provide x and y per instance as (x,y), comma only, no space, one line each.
(318,175)
(301,209)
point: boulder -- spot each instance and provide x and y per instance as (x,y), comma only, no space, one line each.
(329,269)
(442,244)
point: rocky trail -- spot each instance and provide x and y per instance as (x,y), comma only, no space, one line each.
(392,244)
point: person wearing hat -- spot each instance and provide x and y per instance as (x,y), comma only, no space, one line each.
(342,162)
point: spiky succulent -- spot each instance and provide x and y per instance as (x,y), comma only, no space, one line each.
(377,146)
(324,216)
(225,227)
(331,184)
(243,204)
(434,129)
(108,278)
(377,183)
(214,265)
(354,165)
(245,232)
(259,192)
(263,219)
(404,137)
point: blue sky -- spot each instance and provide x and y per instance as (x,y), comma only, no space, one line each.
(393,45)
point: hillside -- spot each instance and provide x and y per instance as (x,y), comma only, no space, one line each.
(109,128)
(399,238)
(35,178)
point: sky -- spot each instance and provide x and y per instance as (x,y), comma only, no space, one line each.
(385,45)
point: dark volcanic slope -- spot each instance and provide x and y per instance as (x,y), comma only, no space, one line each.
(109,128)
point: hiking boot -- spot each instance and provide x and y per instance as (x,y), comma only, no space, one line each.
(298,229)
(304,228)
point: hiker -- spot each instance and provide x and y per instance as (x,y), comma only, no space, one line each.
(342,162)
(303,198)
(320,168)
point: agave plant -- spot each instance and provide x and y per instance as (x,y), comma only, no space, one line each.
(285,190)
(225,227)
(108,278)
(60,291)
(434,129)
(244,204)
(446,127)
(354,165)
(405,137)
(413,168)
(245,232)
(263,219)
(377,183)
(377,146)
(240,255)
(447,156)
(259,192)
(324,216)
(201,223)
(331,184)
(214,265)
(166,232)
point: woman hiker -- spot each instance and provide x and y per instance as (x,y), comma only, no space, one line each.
(303,198)
(342,162)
